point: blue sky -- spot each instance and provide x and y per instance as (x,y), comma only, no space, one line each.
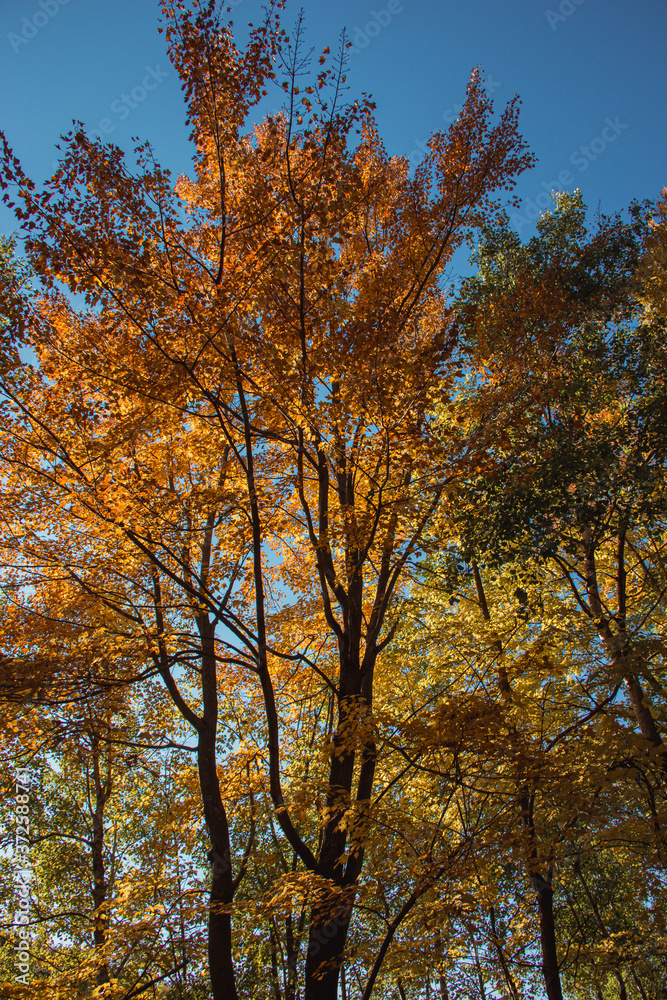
(592,76)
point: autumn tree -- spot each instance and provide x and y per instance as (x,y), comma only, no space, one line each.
(572,469)
(254,371)
(115,857)
(590,464)
(510,685)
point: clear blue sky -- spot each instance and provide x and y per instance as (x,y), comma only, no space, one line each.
(592,76)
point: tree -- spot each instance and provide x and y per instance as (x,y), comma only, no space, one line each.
(591,436)
(256,367)
(113,884)
(509,688)
(573,469)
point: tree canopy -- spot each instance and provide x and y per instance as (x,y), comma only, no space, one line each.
(333,598)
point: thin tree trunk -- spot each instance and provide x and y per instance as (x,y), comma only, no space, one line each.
(275,979)
(480,976)
(220,953)
(638,983)
(501,957)
(542,888)
(550,969)
(503,681)
(292,946)
(222,888)
(544,892)
(100,932)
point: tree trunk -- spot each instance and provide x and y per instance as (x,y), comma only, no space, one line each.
(102,793)
(328,929)
(544,892)
(292,945)
(543,888)
(645,719)
(501,956)
(275,978)
(326,944)
(222,888)
(550,968)
(220,955)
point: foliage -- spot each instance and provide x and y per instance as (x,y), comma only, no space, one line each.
(331,603)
